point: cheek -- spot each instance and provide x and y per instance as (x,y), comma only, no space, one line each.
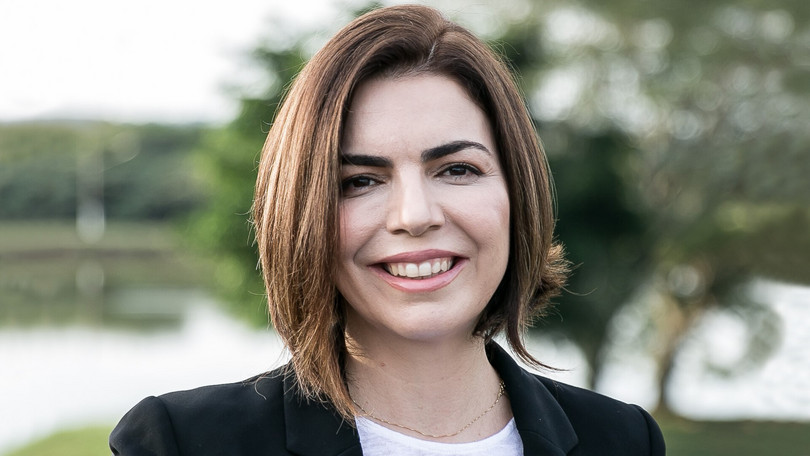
(500,229)
(493,223)
(487,216)
(356,228)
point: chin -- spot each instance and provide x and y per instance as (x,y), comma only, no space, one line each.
(426,331)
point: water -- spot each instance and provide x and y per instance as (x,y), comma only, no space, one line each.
(778,389)
(704,385)
(62,377)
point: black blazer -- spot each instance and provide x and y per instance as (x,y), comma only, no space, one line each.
(266,416)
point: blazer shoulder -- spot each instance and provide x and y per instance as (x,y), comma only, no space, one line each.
(145,430)
(234,418)
(601,422)
(260,391)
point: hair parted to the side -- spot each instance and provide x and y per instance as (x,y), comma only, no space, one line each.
(295,210)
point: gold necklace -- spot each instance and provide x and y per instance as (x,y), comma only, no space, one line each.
(501,391)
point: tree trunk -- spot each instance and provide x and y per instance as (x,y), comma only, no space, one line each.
(672,326)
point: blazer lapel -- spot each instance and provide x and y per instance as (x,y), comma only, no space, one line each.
(314,429)
(541,422)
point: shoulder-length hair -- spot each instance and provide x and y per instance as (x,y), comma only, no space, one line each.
(295,210)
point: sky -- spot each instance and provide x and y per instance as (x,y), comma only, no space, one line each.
(151,60)
(173,61)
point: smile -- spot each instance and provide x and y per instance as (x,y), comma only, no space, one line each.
(422,270)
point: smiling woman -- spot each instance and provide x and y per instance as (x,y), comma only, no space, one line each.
(404,218)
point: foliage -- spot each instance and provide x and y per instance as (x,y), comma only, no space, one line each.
(137,171)
(711,96)
(612,260)
(226,160)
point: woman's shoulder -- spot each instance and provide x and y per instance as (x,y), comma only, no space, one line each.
(584,401)
(604,422)
(252,399)
(551,415)
(232,415)
(258,391)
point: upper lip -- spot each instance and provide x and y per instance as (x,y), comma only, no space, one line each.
(418,256)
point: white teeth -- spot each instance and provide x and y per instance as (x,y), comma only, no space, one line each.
(423,270)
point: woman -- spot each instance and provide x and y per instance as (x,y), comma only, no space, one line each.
(404,218)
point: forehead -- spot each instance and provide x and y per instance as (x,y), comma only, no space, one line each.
(412,112)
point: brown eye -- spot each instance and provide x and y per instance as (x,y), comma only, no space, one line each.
(460,170)
(356,184)
(457,170)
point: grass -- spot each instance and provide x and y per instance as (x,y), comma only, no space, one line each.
(42,235)
(684,438)
(89,441)
(739,438)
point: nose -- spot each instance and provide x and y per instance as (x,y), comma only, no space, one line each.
(414,208)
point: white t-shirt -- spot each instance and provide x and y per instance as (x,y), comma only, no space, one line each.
(378,440)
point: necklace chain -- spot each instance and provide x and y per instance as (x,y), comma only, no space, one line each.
(501,391)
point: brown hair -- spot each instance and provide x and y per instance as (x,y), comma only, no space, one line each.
(296,203)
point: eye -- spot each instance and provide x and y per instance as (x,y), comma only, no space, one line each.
(356,184)
(460,171)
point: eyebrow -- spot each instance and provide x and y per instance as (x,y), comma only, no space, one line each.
(434,153)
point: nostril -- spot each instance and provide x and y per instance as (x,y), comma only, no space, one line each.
(414,210)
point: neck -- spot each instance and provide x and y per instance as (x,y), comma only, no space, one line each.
(434,387)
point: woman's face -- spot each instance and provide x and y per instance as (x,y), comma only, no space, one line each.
(424,212)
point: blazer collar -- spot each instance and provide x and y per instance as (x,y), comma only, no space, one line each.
(314,428)
(543,425)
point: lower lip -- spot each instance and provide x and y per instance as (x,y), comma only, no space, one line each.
(422,285)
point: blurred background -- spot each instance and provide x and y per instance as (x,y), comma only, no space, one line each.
(677,132)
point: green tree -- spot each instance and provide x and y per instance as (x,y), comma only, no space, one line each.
(137,171)
(227,159)
(602,218)
(714,95)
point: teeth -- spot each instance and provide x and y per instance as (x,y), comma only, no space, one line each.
(423,270)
